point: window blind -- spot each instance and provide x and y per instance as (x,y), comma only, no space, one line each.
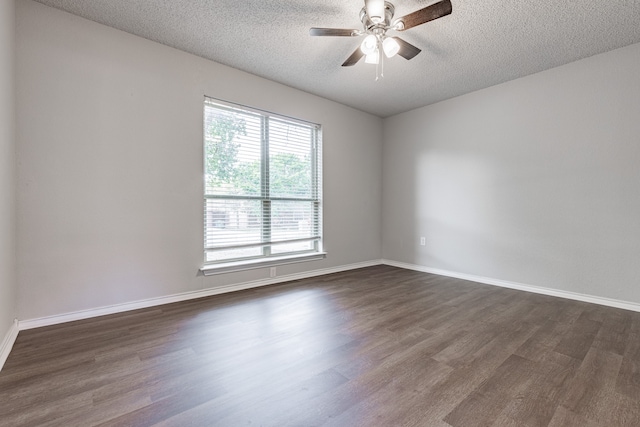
(263,184)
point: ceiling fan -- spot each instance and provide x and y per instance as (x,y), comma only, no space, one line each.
(377,19)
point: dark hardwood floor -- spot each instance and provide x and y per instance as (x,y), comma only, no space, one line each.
(379,346)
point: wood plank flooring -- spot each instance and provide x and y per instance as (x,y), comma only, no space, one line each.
(379,346)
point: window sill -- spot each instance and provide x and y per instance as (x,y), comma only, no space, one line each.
(231,267)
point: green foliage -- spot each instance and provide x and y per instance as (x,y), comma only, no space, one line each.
(289,176)
(247,178)
(220,149)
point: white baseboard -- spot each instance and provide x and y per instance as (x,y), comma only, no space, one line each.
(7,342)
(10,338)
(152,302)
(520,286)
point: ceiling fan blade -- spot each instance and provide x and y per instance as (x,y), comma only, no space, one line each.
(354,58)
(429,13)
(407,50)
(334,32)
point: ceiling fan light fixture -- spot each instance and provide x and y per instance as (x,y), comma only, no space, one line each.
(373,58)
(375,10)
(369,45)
(377,19)
(397,25)
(390,47)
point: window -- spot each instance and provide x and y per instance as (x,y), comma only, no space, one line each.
(263,187)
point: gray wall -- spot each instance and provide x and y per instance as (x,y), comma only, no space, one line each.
(110,173)
(8,282)
(535,181)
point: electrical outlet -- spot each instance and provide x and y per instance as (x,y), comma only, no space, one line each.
(422,241)
(272,272)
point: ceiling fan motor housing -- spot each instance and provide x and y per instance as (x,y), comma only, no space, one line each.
(370,26)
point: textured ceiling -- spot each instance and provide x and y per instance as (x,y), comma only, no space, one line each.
(482,43)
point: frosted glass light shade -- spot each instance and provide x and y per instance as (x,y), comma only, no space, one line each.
(375,10)
(369,44)
(373,58)
(390,47)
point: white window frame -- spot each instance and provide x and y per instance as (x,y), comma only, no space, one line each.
(267,259)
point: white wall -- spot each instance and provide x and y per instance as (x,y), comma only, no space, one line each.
(535,181)
(110,166)
(8,283)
